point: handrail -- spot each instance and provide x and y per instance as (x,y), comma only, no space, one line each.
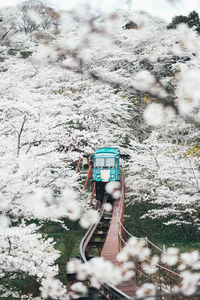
(147,241)
(158,265)
(118,294)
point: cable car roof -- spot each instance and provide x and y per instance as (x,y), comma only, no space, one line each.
(107,150)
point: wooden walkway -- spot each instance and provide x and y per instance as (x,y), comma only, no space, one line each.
(111,249)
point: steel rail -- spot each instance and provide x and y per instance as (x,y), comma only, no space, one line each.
(107,288)
(87,237)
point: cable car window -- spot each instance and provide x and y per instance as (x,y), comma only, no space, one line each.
(99,162)
(110,162)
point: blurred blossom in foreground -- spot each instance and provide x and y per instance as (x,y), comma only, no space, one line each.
(188,90)
(4,223)
(150,266)
(113,188)
(147,290)
(170,257)
(155,114)
(89,218)
(108,207)
(144,81)
(53,288)
(100,271)
(189,282)
(190,260)
(103,5)
(44,204)
(134,248)
(70,203)
(77,289)
(73,265)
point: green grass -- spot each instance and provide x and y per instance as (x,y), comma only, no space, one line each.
(24,285)
(156,231)
(67,242)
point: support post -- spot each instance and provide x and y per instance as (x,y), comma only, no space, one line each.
(78,166)
(159,278)
(136,273)
(93,192)
(88,162)
(88,176)
(170,281)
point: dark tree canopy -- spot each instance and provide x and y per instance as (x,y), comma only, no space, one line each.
(130,25)
(192,20)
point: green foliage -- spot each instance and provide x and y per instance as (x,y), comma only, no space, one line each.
(67,242)
(13,51)
(76,125)
(2,70)
(156,231)
(192,20)
(130,25)
(126,141)
(23,284)
(177,20)
(66,91)
(2,59)
(25,54)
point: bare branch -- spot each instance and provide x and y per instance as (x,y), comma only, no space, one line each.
(19,136)
(6,33)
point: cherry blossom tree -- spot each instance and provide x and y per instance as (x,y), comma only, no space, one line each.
(86,87)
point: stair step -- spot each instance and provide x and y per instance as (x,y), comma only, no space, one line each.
(102,229)
(99,235)
(83,172)
(102,226)
(106,218)
(89,257)
(95,244)
(71,276)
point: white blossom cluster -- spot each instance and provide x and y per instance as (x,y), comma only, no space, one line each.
(23,250)
(100,271)
(167,174)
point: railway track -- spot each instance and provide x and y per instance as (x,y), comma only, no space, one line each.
(89,244)
(102,239)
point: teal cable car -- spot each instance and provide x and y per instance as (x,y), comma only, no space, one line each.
(106,165)
(106,168)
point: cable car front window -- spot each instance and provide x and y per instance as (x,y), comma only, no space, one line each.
(99,162)
(110,162)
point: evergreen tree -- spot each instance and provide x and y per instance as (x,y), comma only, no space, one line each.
(192,20)
(177,20)
(130,25)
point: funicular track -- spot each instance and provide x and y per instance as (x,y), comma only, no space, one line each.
(103,236)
